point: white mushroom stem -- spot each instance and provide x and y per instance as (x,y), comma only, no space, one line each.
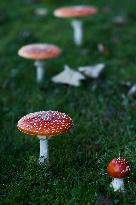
(39,70)
(77,26)
(44,156)
(117,184)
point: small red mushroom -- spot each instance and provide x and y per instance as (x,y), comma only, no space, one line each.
(76,12)
(39,52)
(118,168)
(44,124)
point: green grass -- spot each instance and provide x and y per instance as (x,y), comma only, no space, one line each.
(104,117)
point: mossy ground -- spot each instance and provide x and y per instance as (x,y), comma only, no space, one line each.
(104,116)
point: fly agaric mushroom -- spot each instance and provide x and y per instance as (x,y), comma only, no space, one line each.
(39,52)
(75,12)
(118,168)
(45,124)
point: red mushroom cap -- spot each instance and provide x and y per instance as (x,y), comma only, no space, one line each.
(45,123)
(118,168)
(39,51)
(75,11)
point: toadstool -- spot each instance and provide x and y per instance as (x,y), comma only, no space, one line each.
(75,12)
(44,124)
(118,168)
(39,52)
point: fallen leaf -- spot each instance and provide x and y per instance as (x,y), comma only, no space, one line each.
(132,91)
(127,84)
(102,48)
(120,20)
(92,71)
(41,11)
(68,76)
(26,36)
